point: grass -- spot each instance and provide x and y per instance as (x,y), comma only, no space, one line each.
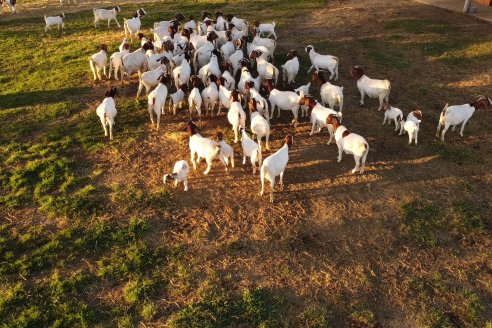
(89,235)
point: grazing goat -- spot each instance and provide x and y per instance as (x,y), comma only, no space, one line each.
(274,165)
(459,114)
(105,14)
(116,61)
(259,125)
(323,62)
(157,99)
(107,112)
(180,173)
(202,147)
(319,114)
(268,29)
(236,114)
(392,113)
(132,25)
(226,151)
(54,20)
(98,62)
(195,99)
(330,94)
(349,142)
(9,3)
(290,68)
(371,87)
(250,149)
(177,97)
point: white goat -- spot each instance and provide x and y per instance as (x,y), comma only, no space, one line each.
(240,24)
(157,99)
(284,100)
(268,29)
(105,14)
(211,68)
(290,68)
(54,20)
(107,112)
(371,87)
(330,94)
(265,69)
(413,131)
(265,42)
(195,99)
(305,90)
(150,79)
(261,103)
(180,173)
(177,97)
(392,113)
(135,61)
(123,44)
(414,116)
(250,149)
(259,125)
(132,25)
(182,73)
(236,115)
(319,114)
(210,95)
(459,114)
(322,62)
(98,62)
(274,165)
(226,151)
(202,147)
(349,142)
(116,61)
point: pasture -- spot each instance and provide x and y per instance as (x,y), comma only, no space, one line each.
(90,236)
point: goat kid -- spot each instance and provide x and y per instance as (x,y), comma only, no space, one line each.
(107,112)
(180,174)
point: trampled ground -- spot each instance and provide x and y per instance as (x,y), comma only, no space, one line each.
(91,236)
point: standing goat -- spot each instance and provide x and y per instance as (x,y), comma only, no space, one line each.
(107,112)
(98,62)
(268,29)
(371,87)
(330,94)
(319,114)
(250,149)
(459,114)
(323,62)
(226,151)
(157,99)
(195,99)
(290,68)
(259,124)
(236,114)
(54,20)
(349,142)
(202,148)
(132,25)
(177,97)
(274,165)
(105,14)
(180,173)
(392,113)
(116,60)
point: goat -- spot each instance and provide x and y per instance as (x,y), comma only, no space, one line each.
(135,61)
(182,73)
(236,115)
(240,24)
(250,149)
(210,95)
(157,98)
(195,99)
(226,151)
(392,113)
(284,100)
(349,142)
(150,79)
(290,68)
(202,54)
(261,103)
(265,42)
(330,94)
(54,20)
(274,165)
(323,62)
(177,97)
(371,87)
(265,69)
(190,23)
(116,60)
(106,14)
(266,29)
(459,114)
(228,80)
(414,116)
(180,173)
(98,62)
(319,114)
(211,68)
(123,45)
(202,147)
(305,90)
(132,25)
(107,112)
(259,124)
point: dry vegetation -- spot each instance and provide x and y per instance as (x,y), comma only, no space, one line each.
(90,236)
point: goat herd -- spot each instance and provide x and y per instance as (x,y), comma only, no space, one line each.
(184,56)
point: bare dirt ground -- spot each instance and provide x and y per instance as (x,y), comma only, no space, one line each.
(331,236)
